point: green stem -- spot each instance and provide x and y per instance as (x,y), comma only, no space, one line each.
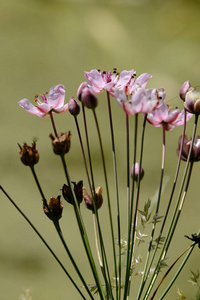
(163,253)
(170,200)
(44,242)
(132,241)
(145,274)
(118,286)
(179,270)
(103,254)
(83,233)
(56,224)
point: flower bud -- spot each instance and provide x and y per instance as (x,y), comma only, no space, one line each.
(184,89)
(61,144)
(89,200)
(192,101)
(55,208)
(88,98)
(135,169)
(78,191)
(81,87)
(195,154)
(74,107)
(29,155)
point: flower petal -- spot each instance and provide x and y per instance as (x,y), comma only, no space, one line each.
(56,96)
(29,107)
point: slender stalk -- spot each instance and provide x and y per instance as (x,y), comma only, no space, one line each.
(83,153)
(179,270)
(170,268)
(83,234)
(128,267)
(163,254)
(118,286)
(107,189)
(53,123)
(56,224)
(104,259)
(44,242)
(80,223)
(145,274)
(170,199)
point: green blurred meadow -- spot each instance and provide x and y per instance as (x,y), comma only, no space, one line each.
(47,42)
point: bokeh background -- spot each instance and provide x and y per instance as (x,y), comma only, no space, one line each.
(47,42)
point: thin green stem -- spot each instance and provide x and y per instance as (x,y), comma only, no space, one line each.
(179,270)
(53,123)
(43,240)
(103,253)
(118,286)
(170,199)
(83,233)
(163,253)
(145,274)
(56,224)
(132,241)
(168,271)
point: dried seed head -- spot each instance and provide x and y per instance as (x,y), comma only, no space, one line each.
(61,144)
(29,155)
(55,208)
(89,199)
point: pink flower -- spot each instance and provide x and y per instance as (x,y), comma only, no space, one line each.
(124,81)
(53,102)
(141,101)
(101,80)
(164,116)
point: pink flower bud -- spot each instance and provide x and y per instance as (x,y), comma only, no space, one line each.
(74,107)
(192,101)
(184,89)
(136,172)
(88,98)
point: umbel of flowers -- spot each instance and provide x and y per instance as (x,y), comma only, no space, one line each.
(114,277)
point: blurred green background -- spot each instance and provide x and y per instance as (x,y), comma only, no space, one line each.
(44,43)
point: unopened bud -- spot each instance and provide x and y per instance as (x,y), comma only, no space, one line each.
(195,154)
(55,208)
(184,89)
(97,197)
(135,171)
(74,107)
(61,144)
(29,155)
(192,101)
(80,89)
(88,98)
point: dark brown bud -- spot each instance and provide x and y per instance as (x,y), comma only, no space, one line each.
(74,107)
(61,144)
(78,191)
(55,208)
(135,169)
(88,98)
(89,200)
(29,155)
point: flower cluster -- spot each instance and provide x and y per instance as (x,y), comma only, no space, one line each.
(133,96)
